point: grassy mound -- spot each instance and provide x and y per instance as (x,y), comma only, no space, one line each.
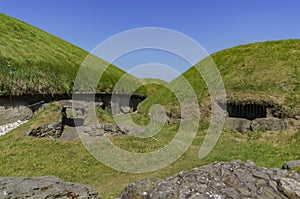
(259,72)
(35,62)
(152,84)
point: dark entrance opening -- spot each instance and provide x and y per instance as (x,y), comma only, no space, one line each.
(247,111)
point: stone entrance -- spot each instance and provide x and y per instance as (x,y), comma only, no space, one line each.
(247,111)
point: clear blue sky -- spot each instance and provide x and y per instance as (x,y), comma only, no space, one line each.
(216,25)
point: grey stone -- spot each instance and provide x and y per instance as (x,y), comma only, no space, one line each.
(290,187)
(233,179)
(95,133)
(125,109)
(261,175)
(12,110)
(291,164)
(268,124)
(54,130)
(43,187)
(87,129)
(108,127)
(238,124)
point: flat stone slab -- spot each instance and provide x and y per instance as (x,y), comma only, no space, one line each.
(44,187)
(238,124)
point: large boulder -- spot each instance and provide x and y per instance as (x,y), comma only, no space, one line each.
(268,124)
(233,179)
(12,110)
(43,187)
(238,124)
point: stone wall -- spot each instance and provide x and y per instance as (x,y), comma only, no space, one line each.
(12,110)
(54,130)
(260,124)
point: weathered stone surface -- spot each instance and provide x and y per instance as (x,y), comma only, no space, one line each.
(220,180)
(291,164)
(48,131)
(158,115)
(268,124)
(238,124)
(125,109)
(290,187)
(13,110)
(44,187)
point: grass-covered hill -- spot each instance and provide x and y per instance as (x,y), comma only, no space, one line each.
(267,72)
(152,84)
(35,62)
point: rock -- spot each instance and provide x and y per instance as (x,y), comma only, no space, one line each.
(108,127)
(125,109)
(96,132)
(43,187)
(233,179)
(268,124)
(291,164)
(158,114)
(54,130)
(290,187)
(12,110)
(87,129)
(238,124)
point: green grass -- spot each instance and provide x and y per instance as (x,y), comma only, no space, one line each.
(26,156)
(35,62)
(267,71)
(152,84)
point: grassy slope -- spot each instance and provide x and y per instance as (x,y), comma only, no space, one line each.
(33,61)
(255,70)
(152,84)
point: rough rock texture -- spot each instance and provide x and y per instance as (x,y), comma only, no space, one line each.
(291,164)
(268,124)
(260,124)
(43,187)
(13,110)
(233,179)
(238,124)
(104,129)
(290,187)
(48,131)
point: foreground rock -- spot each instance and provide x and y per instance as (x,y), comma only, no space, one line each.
(43,187)
(233,179)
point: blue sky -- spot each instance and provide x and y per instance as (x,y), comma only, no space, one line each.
(216,25)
